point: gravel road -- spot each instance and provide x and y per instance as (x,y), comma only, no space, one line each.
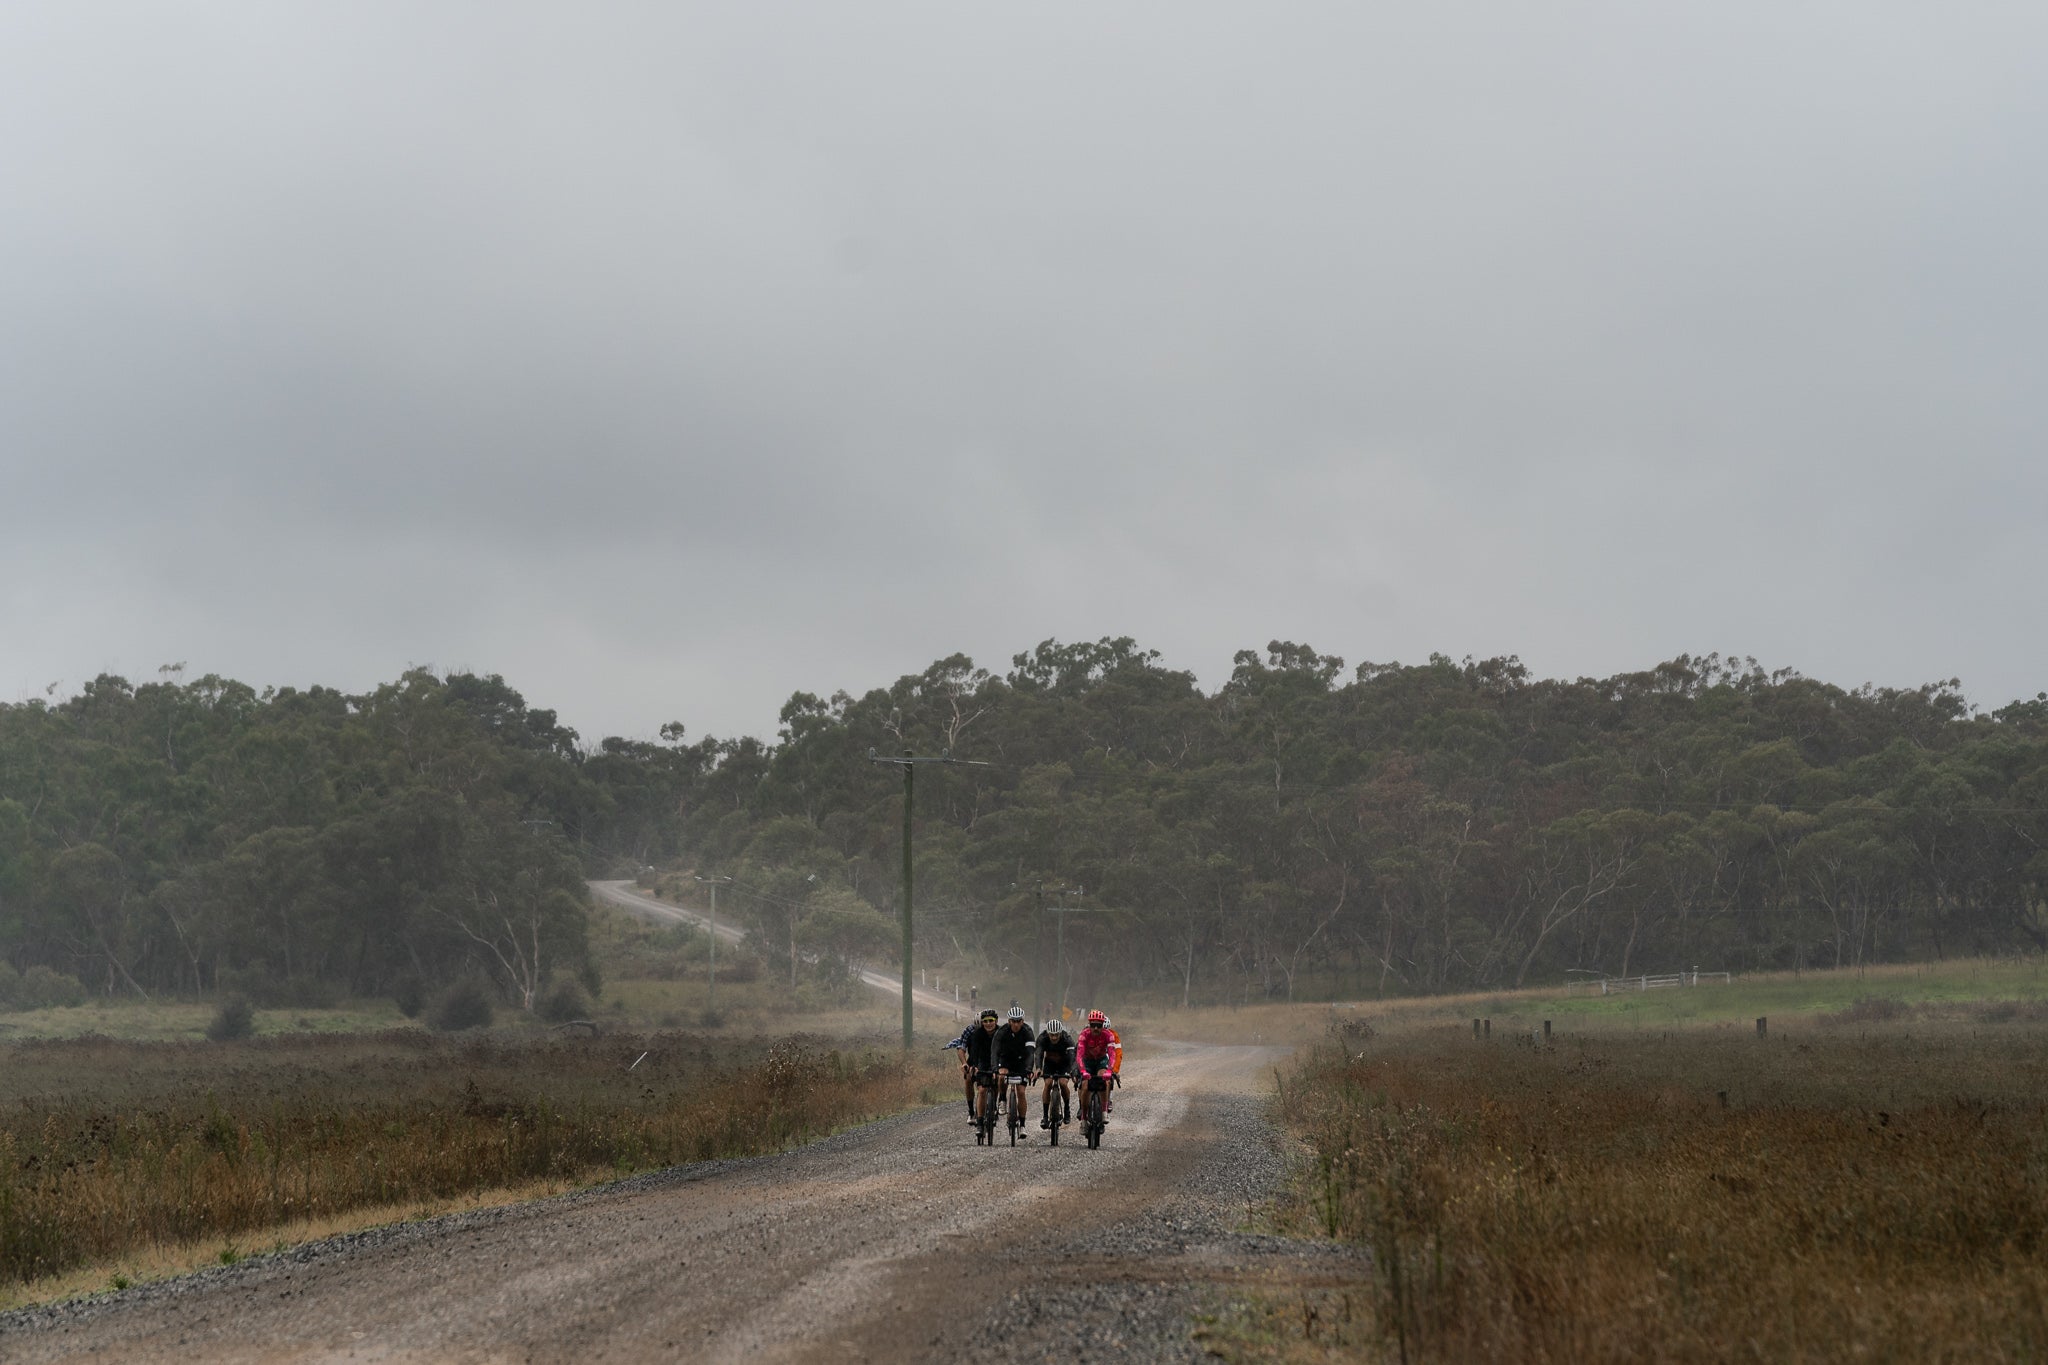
(901,1240)
(623,895)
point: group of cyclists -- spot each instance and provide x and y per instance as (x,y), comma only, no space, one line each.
(1008,1048)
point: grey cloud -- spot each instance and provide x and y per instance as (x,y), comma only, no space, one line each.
(673,358)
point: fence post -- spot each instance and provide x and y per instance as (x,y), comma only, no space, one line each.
(1762,1024)
(1724,1097)
(1475,1030)
(1489,1028)
(1546,1033)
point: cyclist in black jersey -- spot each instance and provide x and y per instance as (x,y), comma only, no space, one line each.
(1015,1051)
(1056,1065)
(977,1053)
(960,1045)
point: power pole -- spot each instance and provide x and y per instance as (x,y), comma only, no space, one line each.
(1060,952)
(1039,1002)
(711,1001)
(1038,958)
(909,763)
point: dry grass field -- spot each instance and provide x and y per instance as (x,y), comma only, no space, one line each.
(113,1151)
(1868,1182)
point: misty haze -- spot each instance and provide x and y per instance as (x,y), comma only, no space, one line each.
(1433,609)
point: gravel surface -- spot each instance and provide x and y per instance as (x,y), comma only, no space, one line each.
(1144,1281)
(898,1240)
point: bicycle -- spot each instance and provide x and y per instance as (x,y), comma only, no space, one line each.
(1093,1098)
(1014,1091)
(984,1108)
(1056,1113)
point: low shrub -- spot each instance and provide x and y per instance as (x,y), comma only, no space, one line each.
(236,1018)
(38,988)
(464,1005)
(562,1000)
(409,993)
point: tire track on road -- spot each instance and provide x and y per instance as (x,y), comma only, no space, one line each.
(852,1248)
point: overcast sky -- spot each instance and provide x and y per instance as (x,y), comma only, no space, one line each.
(671,358)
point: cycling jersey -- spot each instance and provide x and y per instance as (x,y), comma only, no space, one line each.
(1097,1047)
(1116,1051)
(978,1046)
(1013,1049)
(1056,1053)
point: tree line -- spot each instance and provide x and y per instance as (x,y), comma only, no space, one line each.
(1303,830)
(293,846)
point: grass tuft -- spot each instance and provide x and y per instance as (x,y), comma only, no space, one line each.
(108,1148)
(1693,1195)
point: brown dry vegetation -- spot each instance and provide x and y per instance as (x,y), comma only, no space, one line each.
(107,1147)
(1872,1191)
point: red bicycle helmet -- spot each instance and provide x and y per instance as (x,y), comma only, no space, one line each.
(1097,1017)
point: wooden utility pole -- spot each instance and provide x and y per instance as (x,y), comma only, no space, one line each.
(711,983)
(909,763)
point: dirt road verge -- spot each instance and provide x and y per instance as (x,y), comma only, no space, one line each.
(900,1240)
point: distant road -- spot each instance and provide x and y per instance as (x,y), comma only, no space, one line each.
(637,903)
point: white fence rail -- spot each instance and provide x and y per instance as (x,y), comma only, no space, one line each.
(1614,985)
